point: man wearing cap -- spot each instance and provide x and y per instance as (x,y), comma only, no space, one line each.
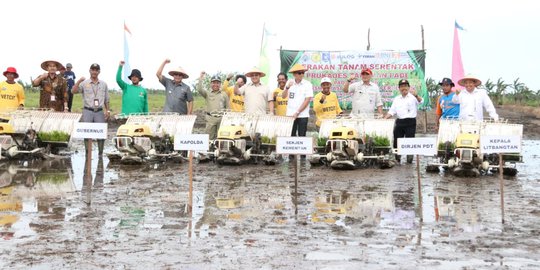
(236,101)
(134,96)
(366,95)
(178,96)
(69,75)
(404,107)
(95,94)
(473,99)
(53,94)
(446,108)
(300,93)
(216,102)
(325,103)
(280,103)
(11,92)
(257,97)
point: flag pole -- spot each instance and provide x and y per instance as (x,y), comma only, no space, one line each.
(425,107)
(262,39)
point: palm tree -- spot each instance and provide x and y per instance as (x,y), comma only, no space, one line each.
(490,87)
(432,89)
(500,88)
(518,88)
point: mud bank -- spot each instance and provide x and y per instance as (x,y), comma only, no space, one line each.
(249,217)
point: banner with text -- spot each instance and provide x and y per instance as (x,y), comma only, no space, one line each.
(388,68)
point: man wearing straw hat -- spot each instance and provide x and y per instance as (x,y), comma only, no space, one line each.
(95,94)
(257,97)
(53,94)
(300,93)
(473,99)
(178,96)
(216,102)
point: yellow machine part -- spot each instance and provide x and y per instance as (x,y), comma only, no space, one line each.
(232,132)
(134,130)
(6,128)
(345,133)
(466,140)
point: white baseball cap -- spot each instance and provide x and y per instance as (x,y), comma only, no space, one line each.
(326,79)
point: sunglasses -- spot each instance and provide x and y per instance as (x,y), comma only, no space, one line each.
(299,72)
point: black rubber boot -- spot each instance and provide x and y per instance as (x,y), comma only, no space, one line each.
(409,159)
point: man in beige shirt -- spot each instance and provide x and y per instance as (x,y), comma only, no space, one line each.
(257,97)
(216,101)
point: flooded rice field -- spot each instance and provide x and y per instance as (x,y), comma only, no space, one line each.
(91,214)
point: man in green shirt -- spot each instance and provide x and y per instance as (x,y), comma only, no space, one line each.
(134,96)
(216,102)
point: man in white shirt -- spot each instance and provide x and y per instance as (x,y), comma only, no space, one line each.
(366,95)
(405,107)
(473,99)
(300,93)
(257,96)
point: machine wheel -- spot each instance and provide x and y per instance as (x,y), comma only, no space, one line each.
(510,171)
(432,168)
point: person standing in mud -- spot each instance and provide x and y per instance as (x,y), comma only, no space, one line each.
(257,96)
(405,108)
(69,75)
(366,95)
(473,99)
(178,96)
(236,101)
(325,103)
(53,94)
(95,94)
(446,108)
(134,96)
(300,93)
(216,102)
(280,102)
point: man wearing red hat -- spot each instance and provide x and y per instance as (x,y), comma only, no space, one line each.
(366,95)
(53,94)
(11,92)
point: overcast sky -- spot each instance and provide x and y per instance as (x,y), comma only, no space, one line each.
(502,38)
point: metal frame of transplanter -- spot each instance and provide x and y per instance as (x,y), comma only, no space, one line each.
(452,133)
(25,121)
(255,127)
(357,150)
(133,147)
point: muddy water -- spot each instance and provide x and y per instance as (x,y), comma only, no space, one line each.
(66,215)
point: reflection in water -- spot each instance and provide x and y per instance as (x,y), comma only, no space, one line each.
(342,207)
(457,203)
(27,187)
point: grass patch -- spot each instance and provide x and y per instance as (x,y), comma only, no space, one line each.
(156,100)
